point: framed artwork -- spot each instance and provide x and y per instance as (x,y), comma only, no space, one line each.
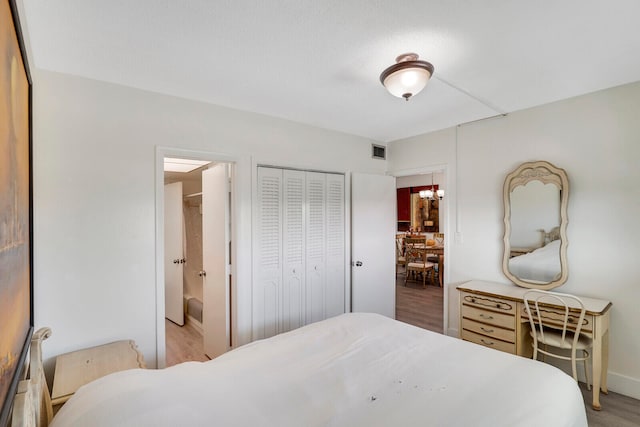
(16,286)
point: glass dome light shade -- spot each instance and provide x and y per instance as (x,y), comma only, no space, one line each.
(407,77)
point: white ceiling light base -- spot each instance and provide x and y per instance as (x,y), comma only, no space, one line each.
(407,77)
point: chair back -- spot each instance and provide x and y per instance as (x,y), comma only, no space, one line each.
(415,255)
(540,317)
(415,240)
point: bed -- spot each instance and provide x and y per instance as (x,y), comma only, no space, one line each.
(539,266)
(351,370)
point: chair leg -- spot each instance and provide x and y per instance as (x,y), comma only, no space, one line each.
(424,278)
(585,353)
(573,365)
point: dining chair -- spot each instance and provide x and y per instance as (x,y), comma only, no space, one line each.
(400,258)
(559,329)
(416,262)
(439,238)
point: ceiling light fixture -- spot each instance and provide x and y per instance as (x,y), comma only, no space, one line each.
(407,76)
(428,194)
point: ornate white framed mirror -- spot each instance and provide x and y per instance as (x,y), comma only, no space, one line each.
(535,199)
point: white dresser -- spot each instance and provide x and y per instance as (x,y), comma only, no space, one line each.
(493,315)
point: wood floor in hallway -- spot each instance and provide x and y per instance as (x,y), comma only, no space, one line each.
(184,344)
(418,306)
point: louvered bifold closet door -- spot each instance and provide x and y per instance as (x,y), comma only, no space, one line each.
(299,249)
(293,274)
(335,261)
(315,246)
(268,266)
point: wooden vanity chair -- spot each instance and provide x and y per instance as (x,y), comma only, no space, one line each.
(551,329)
(417,263)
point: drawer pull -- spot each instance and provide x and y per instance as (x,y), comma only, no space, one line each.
(497,305)
(486,330)
(484,316)
(485,342)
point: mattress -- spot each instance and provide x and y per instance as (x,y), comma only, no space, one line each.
(355,369)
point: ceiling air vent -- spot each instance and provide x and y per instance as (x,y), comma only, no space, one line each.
(378,151)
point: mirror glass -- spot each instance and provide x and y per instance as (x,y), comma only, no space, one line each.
(535,201)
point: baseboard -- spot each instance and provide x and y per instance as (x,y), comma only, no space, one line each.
(193,322)
(623,384)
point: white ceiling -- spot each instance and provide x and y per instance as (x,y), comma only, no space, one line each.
(318,62)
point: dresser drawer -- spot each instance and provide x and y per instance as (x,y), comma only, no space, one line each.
(489,330)
(490,317)
(488,342)
(491,303)
(554,317)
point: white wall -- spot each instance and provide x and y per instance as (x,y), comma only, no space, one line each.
(595,138)
(94,156)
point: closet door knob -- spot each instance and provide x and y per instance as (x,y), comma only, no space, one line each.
(202,273)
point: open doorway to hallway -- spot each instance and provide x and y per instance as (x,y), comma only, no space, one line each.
(197,271)
(420,263)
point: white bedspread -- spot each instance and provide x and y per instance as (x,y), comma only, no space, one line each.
(351,370)
(541,265)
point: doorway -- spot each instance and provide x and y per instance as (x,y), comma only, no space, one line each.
(417,304)
(194,303)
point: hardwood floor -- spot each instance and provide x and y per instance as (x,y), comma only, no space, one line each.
(418,306)
(617,410)
(184,344)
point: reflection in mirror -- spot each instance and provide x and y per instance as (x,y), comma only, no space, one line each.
(535,199)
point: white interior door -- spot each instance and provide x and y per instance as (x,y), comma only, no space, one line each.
(293,250)
(216,323)
(267,256)
(315,262)
(334,298)
(173,253)
(373,217)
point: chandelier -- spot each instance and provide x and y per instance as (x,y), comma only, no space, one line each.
(429,194)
